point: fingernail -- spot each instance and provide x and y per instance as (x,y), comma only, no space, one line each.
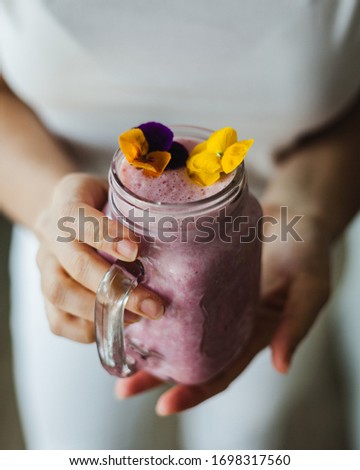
(119,395)
(160,410)
(283,366)
(120,392)
(127,248)
(152,308)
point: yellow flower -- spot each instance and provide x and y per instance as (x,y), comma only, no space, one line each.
(204,167)
(235,154)
(135,147)
(154,164)
(220,140)
(219,153)
(133,144)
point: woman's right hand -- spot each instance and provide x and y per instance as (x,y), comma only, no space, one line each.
(72,270)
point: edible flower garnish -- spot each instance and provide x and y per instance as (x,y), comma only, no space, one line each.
(221,152)
(179,155)
(151,147)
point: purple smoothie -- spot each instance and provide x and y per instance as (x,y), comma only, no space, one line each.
(205,272)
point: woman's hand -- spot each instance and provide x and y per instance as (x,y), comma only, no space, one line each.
(295,285)
(317,179)
(72,270)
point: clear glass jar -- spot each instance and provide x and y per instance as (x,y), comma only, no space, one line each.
(206,268)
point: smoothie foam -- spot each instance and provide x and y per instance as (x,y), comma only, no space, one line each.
(173,186)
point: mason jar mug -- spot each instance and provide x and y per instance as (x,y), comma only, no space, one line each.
(203,259)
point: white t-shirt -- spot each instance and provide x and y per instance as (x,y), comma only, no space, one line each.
(272,69)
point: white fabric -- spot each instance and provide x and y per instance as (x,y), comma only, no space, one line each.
(347,325)
(66,400)
(270,69)
(92,69)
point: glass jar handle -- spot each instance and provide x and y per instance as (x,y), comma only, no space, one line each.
(110,303)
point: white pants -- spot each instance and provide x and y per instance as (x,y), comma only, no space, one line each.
(66,399)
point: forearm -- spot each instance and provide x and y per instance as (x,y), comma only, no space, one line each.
(31,161)
(321,178)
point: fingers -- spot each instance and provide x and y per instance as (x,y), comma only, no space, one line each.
(183,397)
(69,306)
(82,187)
(307,295)
(75,214)
(70,231)
(67,298)
(73,327)
(145,303)
(180,398)
(82,264)
(140,382)
(130,318)
(63,292)
(88,269)
(69,326)
(89,225)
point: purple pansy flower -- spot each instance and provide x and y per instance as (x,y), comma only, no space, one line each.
(158,136)
(179,155)
(161,139)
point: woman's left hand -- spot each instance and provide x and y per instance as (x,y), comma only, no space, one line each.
(294,287)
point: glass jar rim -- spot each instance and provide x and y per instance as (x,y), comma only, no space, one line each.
(228,193)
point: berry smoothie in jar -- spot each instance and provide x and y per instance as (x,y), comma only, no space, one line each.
(183,191)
